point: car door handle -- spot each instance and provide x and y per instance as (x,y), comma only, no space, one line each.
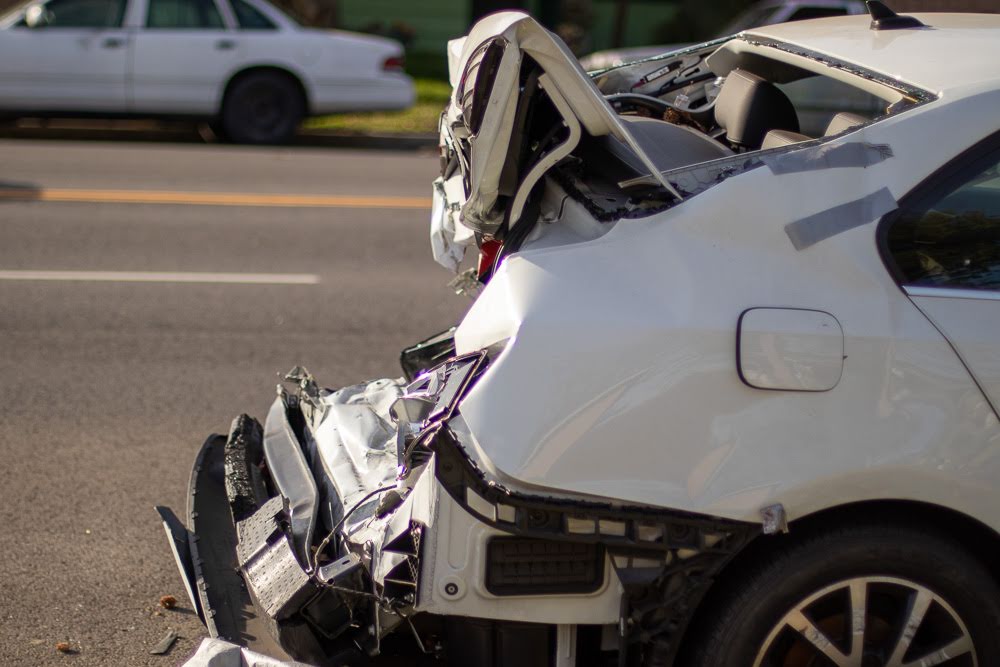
(225,45)
(113,43)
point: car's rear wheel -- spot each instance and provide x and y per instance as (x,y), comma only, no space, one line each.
(262,108)
(865,596)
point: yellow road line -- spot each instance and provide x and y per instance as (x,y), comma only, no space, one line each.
(212,198)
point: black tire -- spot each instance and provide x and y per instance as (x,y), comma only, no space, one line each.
(262,108)
(749,617)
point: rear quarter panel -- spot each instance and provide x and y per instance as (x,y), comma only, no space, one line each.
(621,379)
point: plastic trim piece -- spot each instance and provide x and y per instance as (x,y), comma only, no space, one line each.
(290,472)
(951,292)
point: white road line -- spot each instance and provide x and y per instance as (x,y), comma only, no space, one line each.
(165,277)
(213,198)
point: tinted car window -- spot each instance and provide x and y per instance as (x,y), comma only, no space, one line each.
(954,239)
(250,18)
(803,13)
(84,13)
(190,14)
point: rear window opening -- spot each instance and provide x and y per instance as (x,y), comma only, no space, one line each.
(728,98)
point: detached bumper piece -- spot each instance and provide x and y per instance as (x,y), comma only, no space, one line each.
(205,552)
(304,615)
(243,569)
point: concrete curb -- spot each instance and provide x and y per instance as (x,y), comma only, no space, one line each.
(201,134)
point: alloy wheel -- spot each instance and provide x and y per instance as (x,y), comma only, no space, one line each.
(869,622)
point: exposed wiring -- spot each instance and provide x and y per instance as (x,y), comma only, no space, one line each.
(340,524)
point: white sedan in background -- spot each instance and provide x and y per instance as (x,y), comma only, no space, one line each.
(242,64)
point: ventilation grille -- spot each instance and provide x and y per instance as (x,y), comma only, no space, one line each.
(521,566)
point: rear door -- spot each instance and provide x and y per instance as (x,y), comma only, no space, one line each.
(70,56)
(946,249)
(184,53)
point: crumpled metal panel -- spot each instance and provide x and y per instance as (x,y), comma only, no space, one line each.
(488,148)
(354,446)
(449,238)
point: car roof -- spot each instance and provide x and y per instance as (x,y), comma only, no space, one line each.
(955,51)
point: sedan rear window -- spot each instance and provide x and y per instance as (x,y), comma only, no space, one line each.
(250,18)
(184,14)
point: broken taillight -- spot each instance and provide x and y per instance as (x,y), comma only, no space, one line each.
(488,251)
(394,64)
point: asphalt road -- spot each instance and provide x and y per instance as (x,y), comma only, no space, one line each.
(110,385)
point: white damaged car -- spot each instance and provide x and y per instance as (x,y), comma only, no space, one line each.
(727,394)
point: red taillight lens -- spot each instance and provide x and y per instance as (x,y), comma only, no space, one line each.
(394,64)
(487,255)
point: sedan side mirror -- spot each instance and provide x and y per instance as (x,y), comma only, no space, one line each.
(37,16)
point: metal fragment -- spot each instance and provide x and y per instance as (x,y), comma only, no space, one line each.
(466,283)
(164,645)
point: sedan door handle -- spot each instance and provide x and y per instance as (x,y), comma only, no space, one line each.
(225,45)
(113,43)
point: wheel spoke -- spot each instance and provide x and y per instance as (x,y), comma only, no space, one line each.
(798,622)
(919,604)
(859,608)
(960,646)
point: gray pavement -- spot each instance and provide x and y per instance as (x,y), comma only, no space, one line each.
(109,388)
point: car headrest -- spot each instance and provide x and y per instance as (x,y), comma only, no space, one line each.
(748,107)
(843,121)
(782,138)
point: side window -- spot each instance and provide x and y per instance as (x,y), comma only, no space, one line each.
(83,14)
(250,18)
(184,14)
(952,239)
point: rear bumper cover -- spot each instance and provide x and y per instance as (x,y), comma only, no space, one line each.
(205,552)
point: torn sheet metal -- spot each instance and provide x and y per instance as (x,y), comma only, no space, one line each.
(449,239)
(353,446)
(219,653)
(855,154)
(838,219)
